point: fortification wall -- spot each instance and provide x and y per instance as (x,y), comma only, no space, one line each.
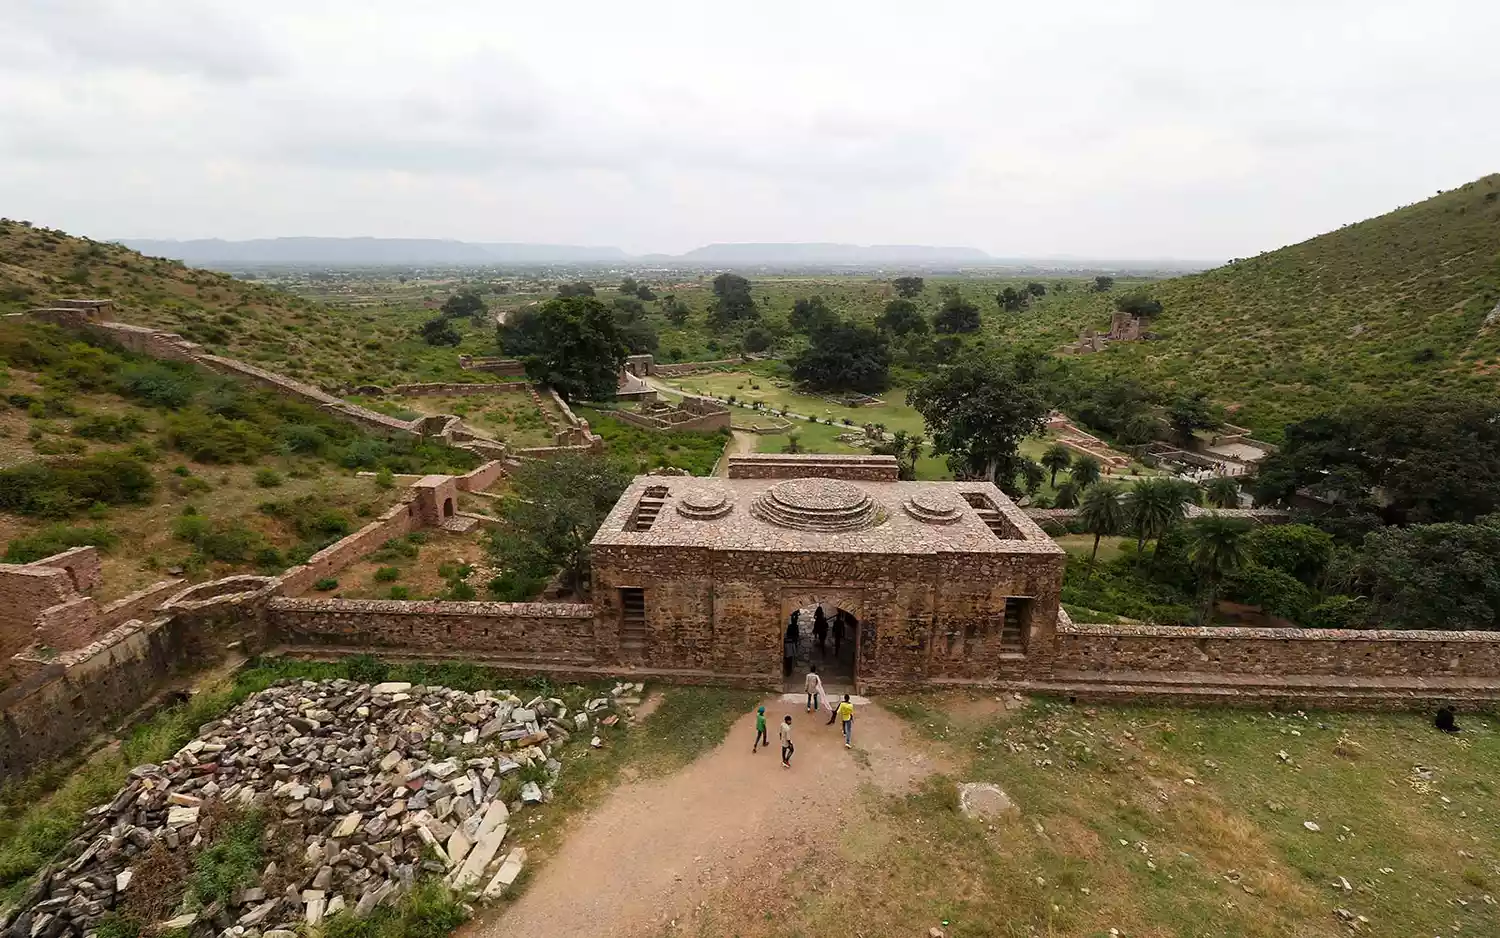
(435,390)
(529,633)
(477,480)
(794,466)
(395,522)
(504,367)
(687,368)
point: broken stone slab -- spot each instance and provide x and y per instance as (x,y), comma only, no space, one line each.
(472,870)
(523,715)
(531,793)
(458,846)
(181,817)
(182,921)
(347,825)
(391,687)
(509,871)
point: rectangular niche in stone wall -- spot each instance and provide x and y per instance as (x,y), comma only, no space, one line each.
(992,517)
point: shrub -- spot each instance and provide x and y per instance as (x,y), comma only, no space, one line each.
(211,438)
(512,587)
(267,478)
(157,383)
(61,487)
(230,542)
(326,584)
(400,592)
(56,538)
(108,428)
(460,591)
(385,479)
(387,575)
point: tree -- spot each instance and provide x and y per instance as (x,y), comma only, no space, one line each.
(1223,492)
(573,344)
(1298,550)
(1189,413)
(674,309)
(793,443)
(581,288)
(1103,284)
(1216,550)
(1102,514)
(1153,507)
(628,286)
(552,510)
(1032,475)
(909,287)
(757,339)
(902,317)
(645,293)
(732,300)
(844,357)
(1086,471)
(906,447)
(1443,576)
(1057,458)
(809,314)
(1036,288)
(1067,495)
(440,331)
(978,411)
(464,303)
(1138,303)
(1012,300)
(956,314)
(1061,286)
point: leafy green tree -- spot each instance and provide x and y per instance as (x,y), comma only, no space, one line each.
(628,286)
(464,304)
(757,339)
(978,411)
(906,447)
(440,331)
(551,512)
(1036,288)
(1433,576)
(1190,413)
(1057,458)
(1112,405)
(675,310)
(1012,300)
(732,300)
(909,287)
(1223,492)
(1216,550)
(644,293)
(1138,303)
(956,314)
(1061,286)
(1275,591)
(844,357)
(1032,475)
(902,317)
(1067,495)
(581,288)
(793,443)
(1154,506)
(1086,471)
(1298,550)
(810,314)
(1102,514)
(1103,284)
(573,344)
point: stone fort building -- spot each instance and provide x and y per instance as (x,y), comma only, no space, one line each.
(933,580)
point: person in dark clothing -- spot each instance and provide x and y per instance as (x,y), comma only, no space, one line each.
(820,629)
(838,633)
(789,644)
(1444,720)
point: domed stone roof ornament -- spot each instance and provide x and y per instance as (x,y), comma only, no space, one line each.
(816,505)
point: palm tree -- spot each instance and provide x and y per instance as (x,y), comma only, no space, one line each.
(1067,495)
(1102,513)
(1153,507)
(1085,472)
(1217,550)
(1223,492)
(1032,475)
(1056,458)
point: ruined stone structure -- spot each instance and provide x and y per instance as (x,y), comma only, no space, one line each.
(691,413)
(1123,327)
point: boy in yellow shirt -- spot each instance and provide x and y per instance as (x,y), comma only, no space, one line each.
(846,715)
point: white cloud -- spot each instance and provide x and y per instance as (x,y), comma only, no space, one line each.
(1107,128)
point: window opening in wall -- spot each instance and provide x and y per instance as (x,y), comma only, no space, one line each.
(632,621)
(991,516)
(647,509)
(1013,628)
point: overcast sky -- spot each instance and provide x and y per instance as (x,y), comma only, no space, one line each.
(1102,129)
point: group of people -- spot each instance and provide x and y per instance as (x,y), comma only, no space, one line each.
(843,711)
(822,629)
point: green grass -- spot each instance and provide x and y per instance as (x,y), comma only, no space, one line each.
(644,450)
(777,394)
(1112,834)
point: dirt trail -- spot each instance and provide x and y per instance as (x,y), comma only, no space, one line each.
(655,850)
(740,443)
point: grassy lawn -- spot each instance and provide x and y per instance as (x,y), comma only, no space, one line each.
(1170,822)
(1082,545)
(777,393)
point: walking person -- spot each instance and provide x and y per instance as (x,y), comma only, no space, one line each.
(760,730)
(814,688)
(820,629)
(846,714)
(786,743)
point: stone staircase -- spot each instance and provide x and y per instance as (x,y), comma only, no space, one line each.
(632,624)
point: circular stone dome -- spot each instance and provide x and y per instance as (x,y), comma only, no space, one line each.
(933,507)
(816,505)
(705,504)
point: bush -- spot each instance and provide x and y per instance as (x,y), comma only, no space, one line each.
(158,384)
(512,587)
(387,575)
(400,592)
(326,584)
(267,478)
(385,479)
(460,591)
(62,487)
(108,428)
(56,538)
(211,438)
(230,542)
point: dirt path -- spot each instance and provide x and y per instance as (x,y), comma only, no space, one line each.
(740,443)
(654,851)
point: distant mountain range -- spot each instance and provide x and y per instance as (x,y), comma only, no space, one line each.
(373,252)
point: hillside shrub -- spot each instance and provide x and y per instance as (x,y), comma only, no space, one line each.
(267,478)
(158,384)
(61,487)
(211,438)
(109,428)
(326,584)
(56,538)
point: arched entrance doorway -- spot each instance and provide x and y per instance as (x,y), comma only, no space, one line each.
(447,508)
(821,630)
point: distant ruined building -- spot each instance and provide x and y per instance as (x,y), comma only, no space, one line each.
(1123,327)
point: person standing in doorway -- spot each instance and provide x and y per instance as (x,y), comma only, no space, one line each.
(838,633)
(790,642)
(786,742)
(846,716)
(820,629)
(814,688)
(760,731)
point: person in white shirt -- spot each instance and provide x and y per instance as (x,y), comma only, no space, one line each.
(814,688)
(786,743)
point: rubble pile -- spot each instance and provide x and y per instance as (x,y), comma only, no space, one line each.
(365,787)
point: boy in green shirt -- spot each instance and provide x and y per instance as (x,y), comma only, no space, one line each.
(760,730)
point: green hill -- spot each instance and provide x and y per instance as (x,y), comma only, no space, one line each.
(1392,306)
(249,321)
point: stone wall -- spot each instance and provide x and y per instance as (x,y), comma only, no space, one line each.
(437,390)
(477,480)
(27,592)
(793,466)
(529,633)
(504,367)
(394,522)
(687,368)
